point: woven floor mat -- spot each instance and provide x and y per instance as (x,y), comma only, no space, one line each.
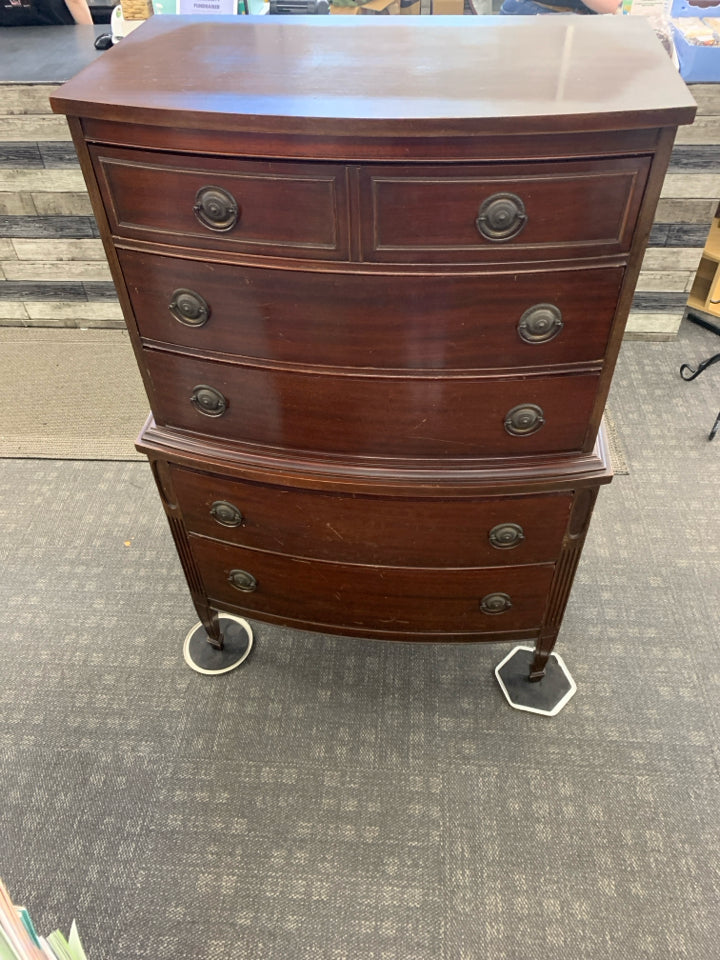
(69,395)
(617,449)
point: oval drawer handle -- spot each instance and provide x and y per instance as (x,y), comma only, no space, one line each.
(189,308)
(242,580)
(216,209)
(504,536)
(208,401)
(501,217)
(540,323)
(495,603)
(524,419)
(226,513)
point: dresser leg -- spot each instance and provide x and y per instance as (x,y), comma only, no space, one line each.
(537,679)
(221,641)
(543,649)
(211,622)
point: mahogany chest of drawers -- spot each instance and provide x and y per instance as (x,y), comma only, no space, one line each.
(376,274)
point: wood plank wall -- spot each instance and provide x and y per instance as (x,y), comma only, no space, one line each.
(53,271)
(52,266)
(689,199)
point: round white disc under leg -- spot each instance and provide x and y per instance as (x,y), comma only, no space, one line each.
(202,657)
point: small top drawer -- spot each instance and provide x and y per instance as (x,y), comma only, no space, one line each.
(501,212)
(274,209)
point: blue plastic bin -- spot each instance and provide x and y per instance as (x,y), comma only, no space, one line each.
(682,8)
(697,64)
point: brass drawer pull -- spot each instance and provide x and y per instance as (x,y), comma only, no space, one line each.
(501,217)
(226,514)
(493,603)
(524,419)
(504,536)
(540,323)
(216,209)
(189,308)
(242,580)
(208,401)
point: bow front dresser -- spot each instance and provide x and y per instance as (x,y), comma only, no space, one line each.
(376,272)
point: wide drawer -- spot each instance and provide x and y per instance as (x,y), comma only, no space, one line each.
(423,600)
(372,416)
(501,212)
(275,209)
(364,529)
(408,322)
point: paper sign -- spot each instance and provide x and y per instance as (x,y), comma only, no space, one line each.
(224,7)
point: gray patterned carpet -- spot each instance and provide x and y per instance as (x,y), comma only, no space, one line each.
(350,800)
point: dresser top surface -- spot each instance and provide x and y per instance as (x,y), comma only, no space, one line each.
(384,76)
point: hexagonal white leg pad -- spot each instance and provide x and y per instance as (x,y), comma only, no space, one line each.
(547,696)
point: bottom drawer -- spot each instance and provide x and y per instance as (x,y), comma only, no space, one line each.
(377,599)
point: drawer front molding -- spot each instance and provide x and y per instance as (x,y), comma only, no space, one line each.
(268,208)
(401,531)
(426,321)
(566,209)
(373,416)
(372,597)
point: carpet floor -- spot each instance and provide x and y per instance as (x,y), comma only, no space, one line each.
(342,799)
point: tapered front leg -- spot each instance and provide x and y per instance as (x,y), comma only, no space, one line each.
(529,678)
(207,615)
(543,649)
(221,641)
(562,581)
(210,621)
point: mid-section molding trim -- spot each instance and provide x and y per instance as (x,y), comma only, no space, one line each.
(440,478)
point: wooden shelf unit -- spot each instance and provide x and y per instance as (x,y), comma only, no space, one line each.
(705,293)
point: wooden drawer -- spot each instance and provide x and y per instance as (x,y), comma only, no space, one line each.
(403,322)
(549,209)
(401,531)
(387,599)
(371,416)
(283,209)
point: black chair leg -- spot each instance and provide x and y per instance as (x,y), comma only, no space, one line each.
(688,373)
(715,428)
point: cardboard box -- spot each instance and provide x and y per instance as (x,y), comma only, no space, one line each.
(381,7)
(644,8)
(411,7)
(350,10)
(447,7)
